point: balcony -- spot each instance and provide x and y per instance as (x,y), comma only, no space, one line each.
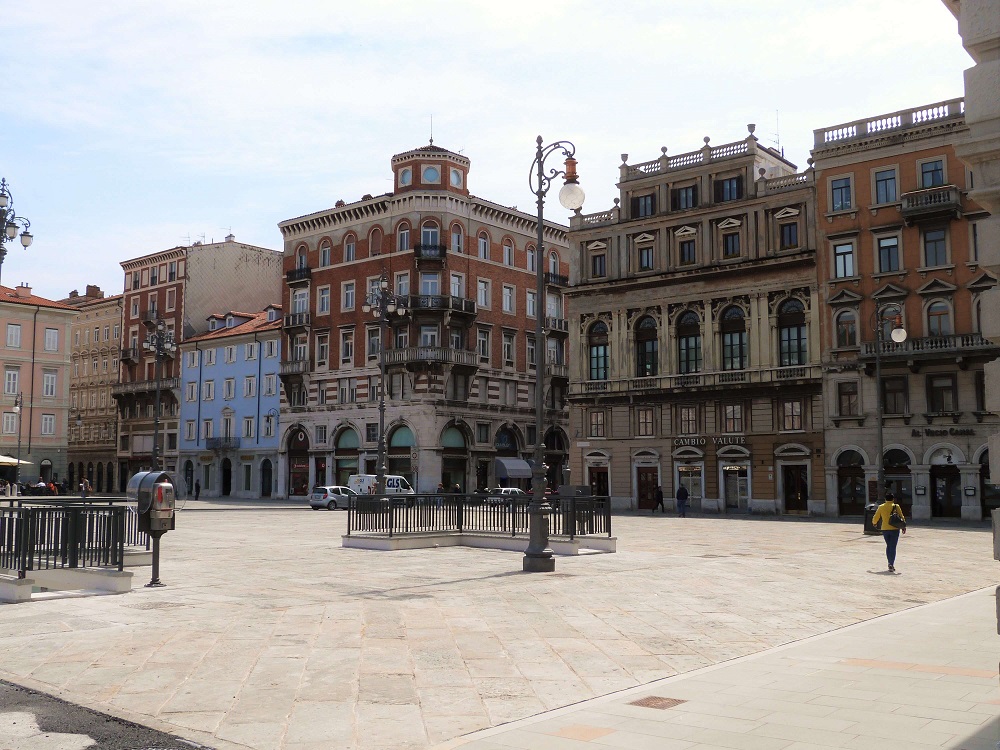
(427,255)
(932,204)
(556,279)
(300,275)
(719,379)
(441,303)
(296,320)
(557,370)
(144,386)
(295,367)
(556,325)
(956,347)
(414,357)
(223,444)
(130,354)
(149,318)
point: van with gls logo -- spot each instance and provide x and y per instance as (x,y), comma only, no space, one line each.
(367,484)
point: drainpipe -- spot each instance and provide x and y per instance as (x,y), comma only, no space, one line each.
(31,374)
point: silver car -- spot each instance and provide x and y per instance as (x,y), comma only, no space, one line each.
(331,497)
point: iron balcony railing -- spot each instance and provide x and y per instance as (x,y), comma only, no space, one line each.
(556,279)
(296,320)
(145,386)
(501,515)
(441,302)
(430,354)
(222,443)
(930,345)
(719,378)
(298,274)
(430,252)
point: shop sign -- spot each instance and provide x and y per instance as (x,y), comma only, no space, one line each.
(953,432)
(246,458)
(716,440)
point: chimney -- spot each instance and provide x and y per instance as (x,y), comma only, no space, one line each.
(230,237)
(74,294)
(23,290)
(94,291)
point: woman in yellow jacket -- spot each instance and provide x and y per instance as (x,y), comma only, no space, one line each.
(889,532)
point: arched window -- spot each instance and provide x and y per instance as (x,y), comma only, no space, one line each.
(938,319)
(324,253)
(851,490)
(689,342)
(597,345)
(646,348)
(457,239)
(532,259)
(430,234)
(302,258)
(349,248)
(484,246)
(847,328)
(375,242)
(508,253)
(793,349)
(554,262)
(402,237)
(734,339)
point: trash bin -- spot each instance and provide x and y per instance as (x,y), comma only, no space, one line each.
(870,509)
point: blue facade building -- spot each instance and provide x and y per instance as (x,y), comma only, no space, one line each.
(229,406)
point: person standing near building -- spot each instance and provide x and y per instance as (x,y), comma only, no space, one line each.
(658,496)
(197,489)
(889,532)
(84,488)
(682,501)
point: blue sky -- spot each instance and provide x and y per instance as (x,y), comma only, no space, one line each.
(130,127)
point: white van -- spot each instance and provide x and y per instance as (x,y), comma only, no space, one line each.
(367,484)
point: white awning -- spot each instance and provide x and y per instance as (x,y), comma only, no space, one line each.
(11,461)
(512,468)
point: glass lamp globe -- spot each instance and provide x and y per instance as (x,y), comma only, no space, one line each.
(571,196)
(26,238)
(11,231)
(898,335)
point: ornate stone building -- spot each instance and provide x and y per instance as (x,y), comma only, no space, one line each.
(694,344)
(462,360)
(898,227)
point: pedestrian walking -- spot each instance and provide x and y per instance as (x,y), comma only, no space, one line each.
(658,496)
(890,532)
(84,488)
(682,501)
(197,489)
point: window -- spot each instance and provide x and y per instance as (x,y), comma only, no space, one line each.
(350,249)
(270,384)
(597,424)
(686,254)
(271,348)
(530,350)
(52,339)
(457,240)
(209,357)
(731,245)
(840,194)
(375,242)
(206,429)
(347,347)
(48,424)
(734,339)
(482,432)
(172,271)
(643,205)
(644,422)
(429,335)
(230,354)
(457,285)
(935,248)
(530,303)
(847,399)
(789,235)
(885,186)
(348,390)
(508,298)
(729,189)
(888,254)
(793,348)
(689,343)
(229,389)
(323,301)
(554,263)
(11,380)
(402,337)
(403,283)
(152,275)
(932,173)
(688,420)
(791,415)
(208,390)
(942,395)
(646,258)
(402,238)
(49,384)
(191,391)
(483,344)
(597,345)
(457,339)
(347,295)
(733,416)
(938,319)
(646,348)
(321,433)
(508,349)
(598,266)
(484,246)
(843,261)
(324,254)
(247,477)
(193,359)
(268,430)
(250,386)
(9,423)
(14,335)
(684,197)
(847,329)
(508,254)
(189,430)
(374,342)
(248,425)
(483,293)
(430,283)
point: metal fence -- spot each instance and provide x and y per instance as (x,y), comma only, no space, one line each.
(45,536)
(133,537)
(507,515)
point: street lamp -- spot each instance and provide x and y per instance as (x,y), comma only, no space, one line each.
(538,556)
(382,303)
(11,222)
(159,342)
(18,403)
(898,336)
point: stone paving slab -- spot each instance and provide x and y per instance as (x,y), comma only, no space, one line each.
(269,634)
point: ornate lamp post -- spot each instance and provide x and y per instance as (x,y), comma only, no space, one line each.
(18,403)
(898,336)
(11,222)
(538,557)
(159,342)
(383,304)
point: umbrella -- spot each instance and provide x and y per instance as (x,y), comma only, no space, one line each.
(11,461)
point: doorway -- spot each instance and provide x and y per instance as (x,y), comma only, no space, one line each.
(597,478)
(946,486)
(795,485)
(265,478)
(227,477)
(647,479)
(735,486)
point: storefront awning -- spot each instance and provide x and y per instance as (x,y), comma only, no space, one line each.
(512,468)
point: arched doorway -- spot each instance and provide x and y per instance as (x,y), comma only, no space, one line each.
(45,470)
(851,483)
(401,444)
(189,477)
(345,457)
(298,462)
(71,479)
(454,458)
(90,474)
(99,478)
(509,470)
(597,466)
(266,481)
(110,477)
(646,465)
(227,477)
(555,457)
(946,481)
(897,478)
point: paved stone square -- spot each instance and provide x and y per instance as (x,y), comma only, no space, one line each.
(270,635)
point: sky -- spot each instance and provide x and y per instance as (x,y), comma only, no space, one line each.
(134,126)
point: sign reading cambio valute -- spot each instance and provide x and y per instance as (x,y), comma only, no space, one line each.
(713,439)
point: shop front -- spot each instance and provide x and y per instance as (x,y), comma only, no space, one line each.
(454,459)
(346,448)
(298,462)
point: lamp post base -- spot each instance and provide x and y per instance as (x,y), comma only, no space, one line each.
(538,556)
(540,563)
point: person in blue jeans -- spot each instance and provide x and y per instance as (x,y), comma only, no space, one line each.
(889,532)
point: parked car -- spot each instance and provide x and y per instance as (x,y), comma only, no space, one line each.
(331,497)
(504,495)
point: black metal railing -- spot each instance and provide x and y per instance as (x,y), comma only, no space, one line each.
(399,515)
(430,252)
(298,274)
(41,537)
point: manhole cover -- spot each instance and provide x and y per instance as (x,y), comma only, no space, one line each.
(655,701)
